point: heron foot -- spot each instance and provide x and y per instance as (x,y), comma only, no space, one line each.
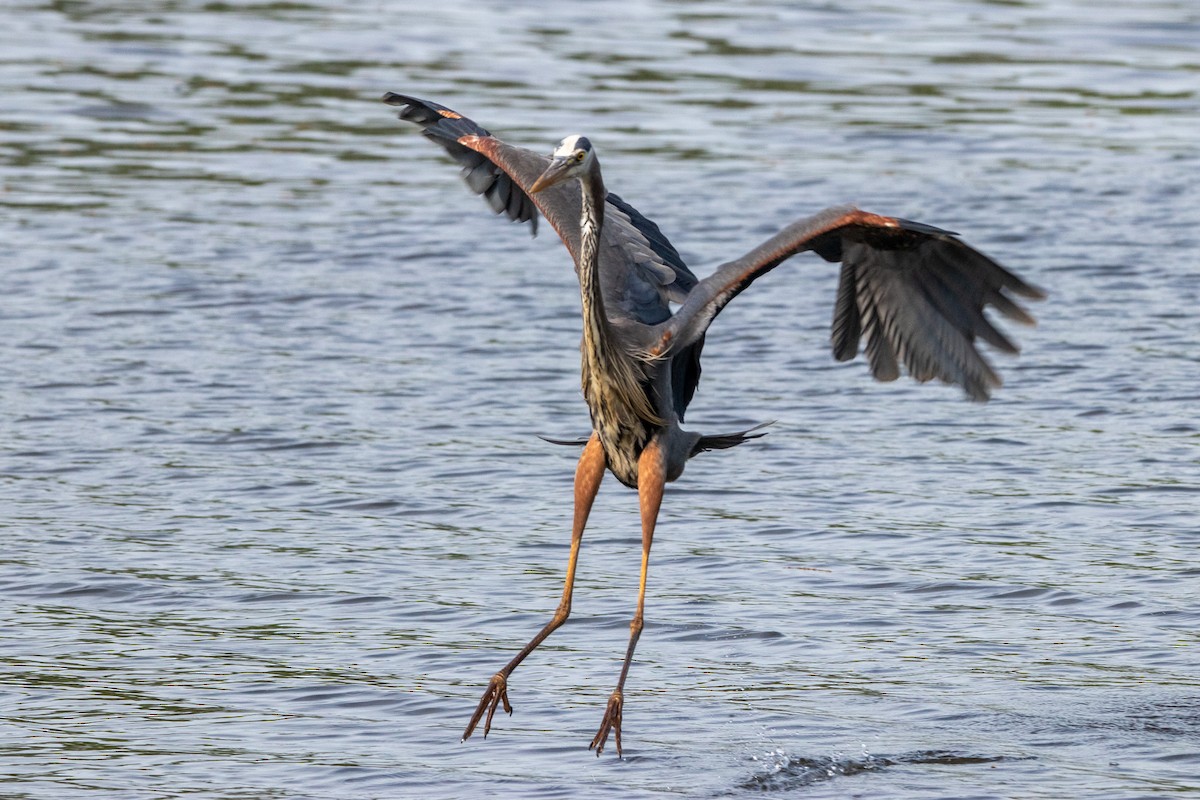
(611,722)
(495,694)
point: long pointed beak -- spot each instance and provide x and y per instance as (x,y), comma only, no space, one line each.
(555,174)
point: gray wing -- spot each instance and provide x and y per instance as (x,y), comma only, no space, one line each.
(640,270)
(914,292)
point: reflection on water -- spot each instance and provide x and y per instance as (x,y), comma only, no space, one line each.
(274,506)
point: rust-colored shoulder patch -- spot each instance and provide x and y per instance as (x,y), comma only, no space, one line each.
(480,144)
(448,114)
(867,218)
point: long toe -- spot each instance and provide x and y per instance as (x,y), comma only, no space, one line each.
(611,722)
(494,695)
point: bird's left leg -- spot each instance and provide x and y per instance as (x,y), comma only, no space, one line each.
(652,477)
(588,475)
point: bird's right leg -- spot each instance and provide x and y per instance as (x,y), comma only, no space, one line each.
(652,476)
(588,475)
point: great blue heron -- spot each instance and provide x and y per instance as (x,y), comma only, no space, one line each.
(914,292)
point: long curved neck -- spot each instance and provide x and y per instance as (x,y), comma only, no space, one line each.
(591,221)
(610,379)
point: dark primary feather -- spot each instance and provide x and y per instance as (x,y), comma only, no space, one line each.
(919,300)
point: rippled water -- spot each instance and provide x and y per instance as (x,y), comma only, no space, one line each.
(272,504)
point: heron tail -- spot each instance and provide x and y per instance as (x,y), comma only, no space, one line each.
(723,441)
(580,442)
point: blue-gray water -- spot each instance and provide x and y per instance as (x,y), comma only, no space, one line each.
(273,506)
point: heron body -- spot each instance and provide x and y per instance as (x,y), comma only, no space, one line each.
(614,385)
(913,295)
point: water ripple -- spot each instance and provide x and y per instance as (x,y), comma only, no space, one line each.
(274,505)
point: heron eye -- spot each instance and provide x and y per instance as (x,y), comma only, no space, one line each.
(579,155)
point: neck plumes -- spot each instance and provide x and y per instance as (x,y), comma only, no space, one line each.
(591,220)
(610,375)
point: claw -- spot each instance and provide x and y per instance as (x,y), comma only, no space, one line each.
(494,695)
(611,721)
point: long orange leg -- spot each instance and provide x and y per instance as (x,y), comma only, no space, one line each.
(652,474)
(588,475)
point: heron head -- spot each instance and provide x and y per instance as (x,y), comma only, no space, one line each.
(572,158)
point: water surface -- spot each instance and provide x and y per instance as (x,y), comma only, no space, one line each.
(272,501)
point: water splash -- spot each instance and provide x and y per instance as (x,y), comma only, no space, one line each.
(785,772)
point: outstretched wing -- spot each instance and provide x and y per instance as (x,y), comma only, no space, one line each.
(640,270)
(914,292)
(483,159)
